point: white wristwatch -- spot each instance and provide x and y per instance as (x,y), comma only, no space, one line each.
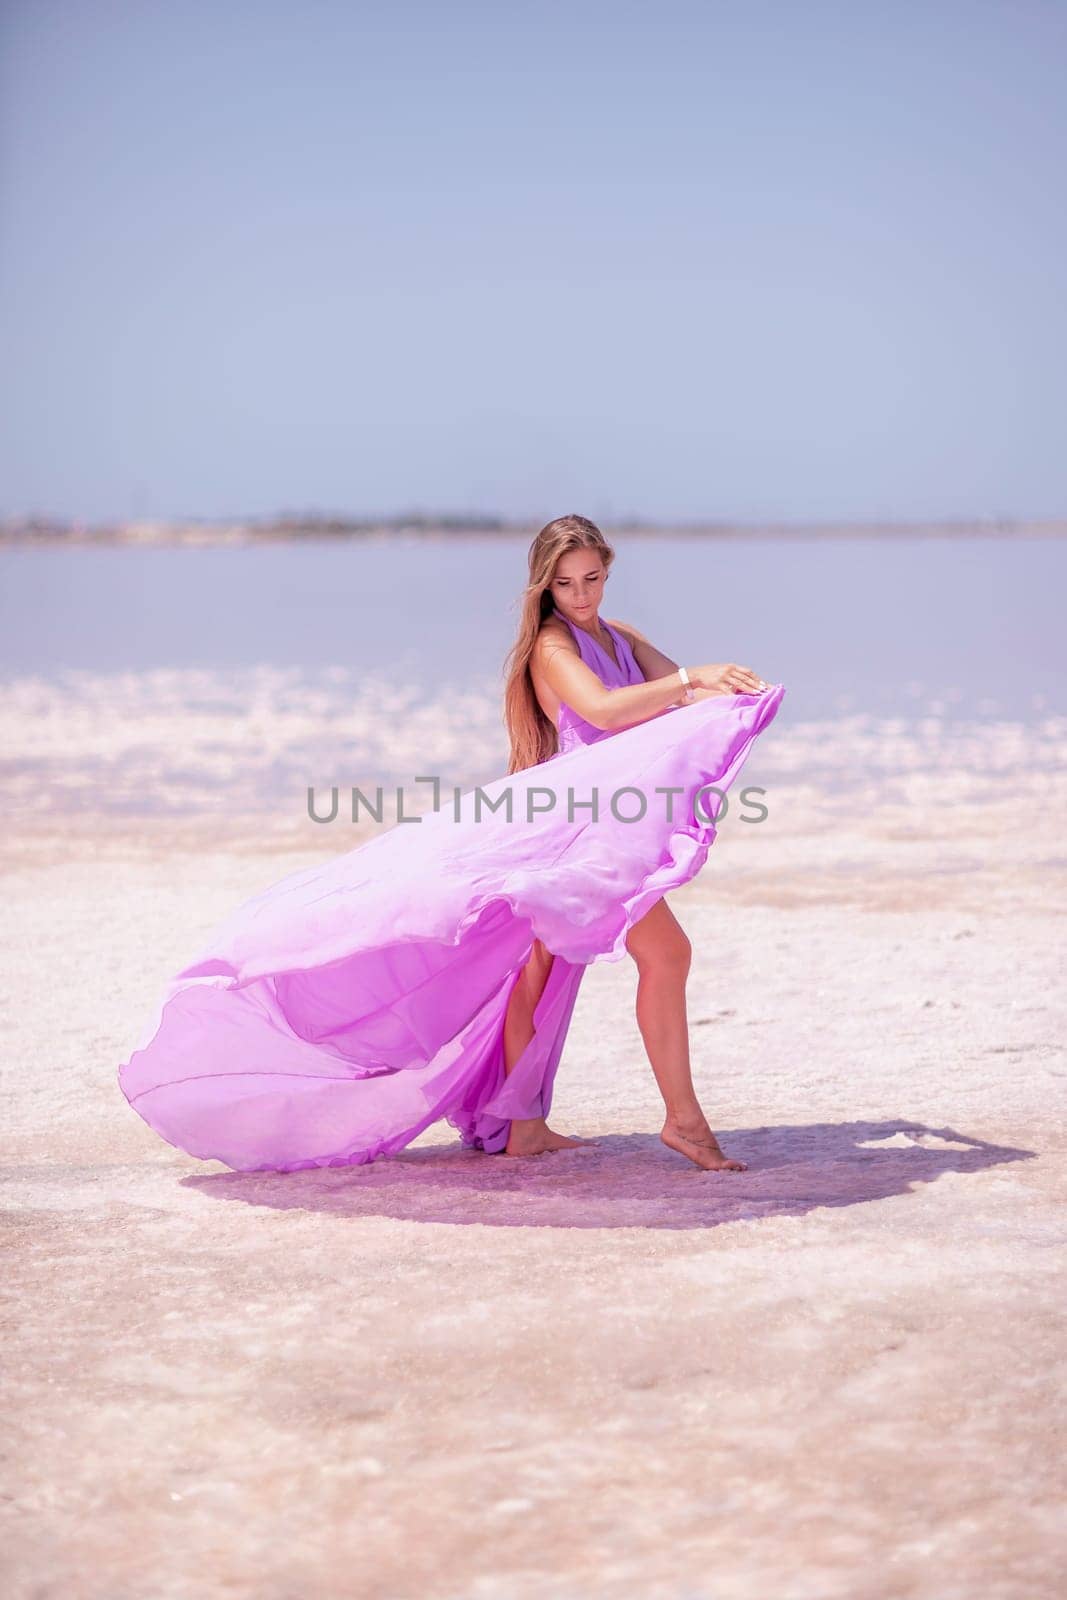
(687,686)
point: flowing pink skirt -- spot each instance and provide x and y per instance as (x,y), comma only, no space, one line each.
(344,1009)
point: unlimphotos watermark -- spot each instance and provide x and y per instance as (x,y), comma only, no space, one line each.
(527,803)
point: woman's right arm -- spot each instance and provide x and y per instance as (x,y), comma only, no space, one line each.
(615,709)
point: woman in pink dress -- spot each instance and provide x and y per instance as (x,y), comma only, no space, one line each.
(432,972)
(558,683)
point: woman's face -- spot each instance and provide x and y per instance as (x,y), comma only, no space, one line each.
(578,585)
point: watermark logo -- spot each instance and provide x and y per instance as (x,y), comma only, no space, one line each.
(527,803)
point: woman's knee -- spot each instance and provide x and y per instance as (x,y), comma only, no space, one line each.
(535,974)
(659,941)
(678,953)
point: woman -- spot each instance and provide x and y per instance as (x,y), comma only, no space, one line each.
(570,561)
(432,972)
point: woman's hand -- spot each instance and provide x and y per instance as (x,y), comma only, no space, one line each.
(726,677)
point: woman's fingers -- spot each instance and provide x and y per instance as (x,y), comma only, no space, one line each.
(748,681)
(731,678)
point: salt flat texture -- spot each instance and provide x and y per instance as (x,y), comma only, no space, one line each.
(602,1372)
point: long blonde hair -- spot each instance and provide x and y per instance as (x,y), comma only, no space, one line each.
(533,737)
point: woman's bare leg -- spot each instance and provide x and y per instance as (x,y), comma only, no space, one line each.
(663,954)
(529,1136)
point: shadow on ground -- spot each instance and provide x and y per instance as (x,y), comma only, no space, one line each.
(627,1180)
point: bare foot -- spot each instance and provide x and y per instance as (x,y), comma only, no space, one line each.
(697,1141)
(533,1137)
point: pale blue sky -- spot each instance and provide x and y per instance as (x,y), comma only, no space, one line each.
(749,260)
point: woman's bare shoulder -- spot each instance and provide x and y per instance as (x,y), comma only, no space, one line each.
(553,635)
(553,631)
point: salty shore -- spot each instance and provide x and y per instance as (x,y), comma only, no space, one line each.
(53,531)
(838,1374)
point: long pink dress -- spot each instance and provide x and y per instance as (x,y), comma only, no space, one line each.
(335,1015)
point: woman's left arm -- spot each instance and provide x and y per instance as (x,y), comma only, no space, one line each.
(654,664)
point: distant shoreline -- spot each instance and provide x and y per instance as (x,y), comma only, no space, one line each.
(221,532)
